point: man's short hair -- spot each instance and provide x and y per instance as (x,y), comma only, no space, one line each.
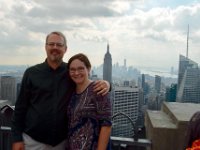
(57,33)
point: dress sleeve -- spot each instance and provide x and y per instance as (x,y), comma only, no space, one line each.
(104,110)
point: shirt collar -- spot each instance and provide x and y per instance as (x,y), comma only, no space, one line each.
(62,66)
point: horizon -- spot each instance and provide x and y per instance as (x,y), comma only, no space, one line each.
(148,71)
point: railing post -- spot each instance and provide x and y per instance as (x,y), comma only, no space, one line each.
(5,129)
(5,136)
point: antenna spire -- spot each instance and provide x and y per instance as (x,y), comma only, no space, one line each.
(187,42)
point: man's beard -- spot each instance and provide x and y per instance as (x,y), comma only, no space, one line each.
(57,58)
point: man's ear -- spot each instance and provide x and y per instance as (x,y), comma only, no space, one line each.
(65,49)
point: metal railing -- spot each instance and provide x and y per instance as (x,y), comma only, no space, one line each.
(5,129)
(117,142)
(5,138)
(131,142)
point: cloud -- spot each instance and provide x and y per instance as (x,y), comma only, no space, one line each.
(137,30)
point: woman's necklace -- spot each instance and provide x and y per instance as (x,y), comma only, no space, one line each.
(81,101)
(81,88)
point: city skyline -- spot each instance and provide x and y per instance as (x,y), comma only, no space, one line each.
(148,34)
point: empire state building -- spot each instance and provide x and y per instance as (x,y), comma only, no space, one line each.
(107,66)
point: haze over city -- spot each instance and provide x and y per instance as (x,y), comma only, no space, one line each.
(147,33)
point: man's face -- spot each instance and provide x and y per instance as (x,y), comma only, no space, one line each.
(55,48)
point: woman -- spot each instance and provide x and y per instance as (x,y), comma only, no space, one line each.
(89,113)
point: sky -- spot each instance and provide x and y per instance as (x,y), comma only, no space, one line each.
(145,33)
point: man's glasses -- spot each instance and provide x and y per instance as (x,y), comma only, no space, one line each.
(79,70)
(52,44)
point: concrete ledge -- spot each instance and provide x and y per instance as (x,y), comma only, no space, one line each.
(159,119)
(167,128)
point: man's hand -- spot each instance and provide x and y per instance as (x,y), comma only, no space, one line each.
(18,146)
(101,87)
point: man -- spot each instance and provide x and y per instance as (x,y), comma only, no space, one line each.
(39,121)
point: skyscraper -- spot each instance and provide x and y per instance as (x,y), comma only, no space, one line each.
(125,63)
(9,88)
(188,88)
(107,66)
(143,82)
(157,83)
(126,100)
(171,93)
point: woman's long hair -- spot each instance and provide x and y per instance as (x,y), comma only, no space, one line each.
(193,131)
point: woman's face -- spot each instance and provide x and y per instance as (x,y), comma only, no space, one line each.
(78,71)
